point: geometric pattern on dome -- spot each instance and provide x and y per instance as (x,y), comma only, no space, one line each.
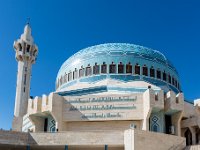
(119,49)
(74,70)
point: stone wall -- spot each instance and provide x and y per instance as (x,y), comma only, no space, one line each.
(141,140)
(103,107)
(193,147)
(79,138)
(14,138)
(101,125)
(130,139)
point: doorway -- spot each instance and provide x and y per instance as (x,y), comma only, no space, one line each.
(168,124)
(188,136)
(45,124)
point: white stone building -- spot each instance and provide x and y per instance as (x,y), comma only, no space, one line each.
(107,88)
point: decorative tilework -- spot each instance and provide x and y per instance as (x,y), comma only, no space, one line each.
(118,49)
(117,52)
(52,126)
(155,126)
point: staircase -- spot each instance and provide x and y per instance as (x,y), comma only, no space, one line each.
(192,147)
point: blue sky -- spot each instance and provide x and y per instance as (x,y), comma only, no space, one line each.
(61,28)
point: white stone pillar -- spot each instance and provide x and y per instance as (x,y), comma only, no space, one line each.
(147,109)
(129,140)
(176,121)
(193,131)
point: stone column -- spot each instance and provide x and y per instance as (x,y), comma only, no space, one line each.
(147,109)
(193,131)
(129,140)
(38,122)
(176,121)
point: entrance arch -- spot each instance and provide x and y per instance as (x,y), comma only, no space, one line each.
(188,136)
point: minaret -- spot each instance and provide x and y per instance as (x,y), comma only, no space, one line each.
(26,53)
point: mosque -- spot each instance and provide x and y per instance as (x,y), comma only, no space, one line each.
(124,90)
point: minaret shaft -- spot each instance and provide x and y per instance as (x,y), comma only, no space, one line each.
(26,53)
(23,87)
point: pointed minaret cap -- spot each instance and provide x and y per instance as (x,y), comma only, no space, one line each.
(27,30)
(26,36)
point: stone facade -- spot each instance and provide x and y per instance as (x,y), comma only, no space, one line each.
(117,109)
(115,140)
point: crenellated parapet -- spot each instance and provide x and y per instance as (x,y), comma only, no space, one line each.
(173,102)
(47,106)
(191,116)
(35,105)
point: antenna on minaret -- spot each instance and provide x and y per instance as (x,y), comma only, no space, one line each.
(28,21)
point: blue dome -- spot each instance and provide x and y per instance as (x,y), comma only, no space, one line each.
(115,53)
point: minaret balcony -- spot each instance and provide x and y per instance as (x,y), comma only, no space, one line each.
(19,57)
(27,54)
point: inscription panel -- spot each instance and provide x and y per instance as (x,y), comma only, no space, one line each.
(104,107)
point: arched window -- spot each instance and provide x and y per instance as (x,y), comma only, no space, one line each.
(177,100)
(152,72)
(70,76)
(120,68)
(145,70)
(28,48)
(20,47)
(164,76)
(173,81)
(24,49)
(96,69)
(169,79)
(104,68)
(112,68)
(158,74)
(156,97)
(34,53)
(75,74)
(137,69)
(65,78)
(129,68)
(88,71)
(81,72)
(61,80)
(24,79)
